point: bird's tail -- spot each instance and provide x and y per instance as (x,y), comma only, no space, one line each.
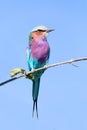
(35,92)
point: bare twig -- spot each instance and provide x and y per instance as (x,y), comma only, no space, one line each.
(43,68)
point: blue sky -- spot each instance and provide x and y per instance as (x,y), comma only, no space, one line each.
(63,90)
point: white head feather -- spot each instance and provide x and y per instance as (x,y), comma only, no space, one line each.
(39,28)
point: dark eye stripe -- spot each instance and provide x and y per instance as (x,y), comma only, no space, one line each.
(41,30)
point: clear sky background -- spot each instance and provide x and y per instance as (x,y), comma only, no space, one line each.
(62,99)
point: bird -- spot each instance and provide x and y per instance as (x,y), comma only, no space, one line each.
(38,52)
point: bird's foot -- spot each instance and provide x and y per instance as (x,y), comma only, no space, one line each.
(28,76)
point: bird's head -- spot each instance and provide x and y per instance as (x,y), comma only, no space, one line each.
(40,31)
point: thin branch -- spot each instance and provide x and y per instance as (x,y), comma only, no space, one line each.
(58,64)
(43,68)
(11,79)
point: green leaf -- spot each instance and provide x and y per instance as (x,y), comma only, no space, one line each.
(16,71)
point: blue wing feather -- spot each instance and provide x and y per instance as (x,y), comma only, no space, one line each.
(28,51)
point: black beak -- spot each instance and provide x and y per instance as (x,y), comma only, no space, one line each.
(49,30)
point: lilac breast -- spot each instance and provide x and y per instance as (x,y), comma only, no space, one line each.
(40,50)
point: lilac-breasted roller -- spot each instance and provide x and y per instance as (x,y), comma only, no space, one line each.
(38,53)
